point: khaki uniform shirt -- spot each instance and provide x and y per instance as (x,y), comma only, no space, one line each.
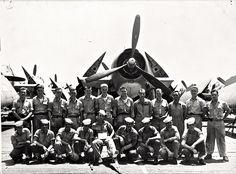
(16,138)
(44,138)
(40,106)
(124,106)
(57,107)
(217,112)
(22,108)
(192,136)
(195,106)
(106,104)
(129,136)
(74,107)
(159,108)
(66,136)
(89,104)
(144,134)
(142,109)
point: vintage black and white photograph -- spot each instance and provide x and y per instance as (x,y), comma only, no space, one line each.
(118,87)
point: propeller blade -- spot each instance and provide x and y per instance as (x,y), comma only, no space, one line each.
(105,73)
(55,77)
(35,70)
(135,35)
(105,66)
(221,80)
(183,82)
(15,78)
(54,85)
(94,68)
(28,76)
(154,81)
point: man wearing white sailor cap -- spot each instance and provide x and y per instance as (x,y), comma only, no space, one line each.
(63,143)
(193,143)
(126,139)
(21,143)
(42,146)
(148,141)
(83,140)
(169,141)
(103,133)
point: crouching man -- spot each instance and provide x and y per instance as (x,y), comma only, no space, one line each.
(103,133)
(148,141)
(193,143)
(126,140)
(21,143)
(63,143)
(42,147)
(169,141)
(83,140)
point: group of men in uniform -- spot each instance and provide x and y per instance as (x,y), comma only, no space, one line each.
(79,129)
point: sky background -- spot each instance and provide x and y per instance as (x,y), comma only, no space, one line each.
(192,40)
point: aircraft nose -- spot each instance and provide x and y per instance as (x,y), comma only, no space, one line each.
(131,63)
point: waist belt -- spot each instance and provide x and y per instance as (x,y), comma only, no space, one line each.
(123,114)
(89,112)
(56,116)
(211,119)
(194,114)
(73,116)
(45,113)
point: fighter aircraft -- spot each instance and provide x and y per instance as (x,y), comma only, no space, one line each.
(8,93)
(130,69)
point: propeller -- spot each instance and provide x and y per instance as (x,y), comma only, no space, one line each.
(55,77)
(130,63)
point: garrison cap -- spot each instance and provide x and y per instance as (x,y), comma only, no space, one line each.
(87,121)
(39,86)
(44,121)
(146,120)
(129,120)
(167,119)
(102,112)
(104,85)
(190,121)
(68,121)
(19,123)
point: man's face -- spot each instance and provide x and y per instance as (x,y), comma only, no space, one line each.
(176,96)
(194,92)
(73,94)
(19,129)
(40,91)
(44,127)
(123,92)
(158,94)
(67,127)
(88,91)
(104,89)
(141,94)
(190,126)
(214,96)
(58,93)
(169,124)
(23,93)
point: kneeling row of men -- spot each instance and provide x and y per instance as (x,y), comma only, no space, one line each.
(87,142)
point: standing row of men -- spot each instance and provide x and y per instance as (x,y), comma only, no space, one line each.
(117,110)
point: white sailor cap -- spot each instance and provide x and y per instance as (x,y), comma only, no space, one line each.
(68,121)
(146,120)
(104,85)
(190,121)
(102,112)
(129,120)
(19,123)
(44,121)
(87,121)
(167,119)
